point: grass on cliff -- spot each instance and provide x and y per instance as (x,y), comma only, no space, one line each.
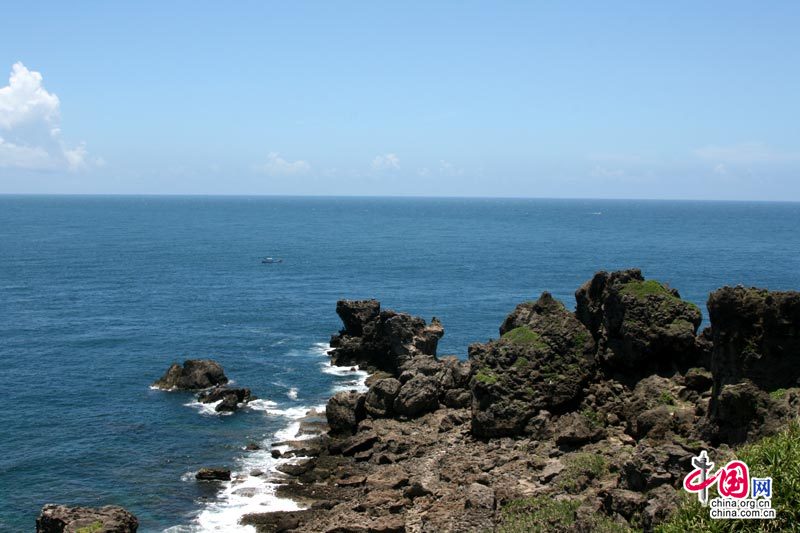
(778,457)
(543,514)
(525,336)
(94,527)
(485,375)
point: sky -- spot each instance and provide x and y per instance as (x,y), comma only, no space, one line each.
(668,100)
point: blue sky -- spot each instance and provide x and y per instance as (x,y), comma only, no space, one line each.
(556,99)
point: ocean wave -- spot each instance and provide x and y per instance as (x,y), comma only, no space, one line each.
(292,394)
(356,381)
(208,409)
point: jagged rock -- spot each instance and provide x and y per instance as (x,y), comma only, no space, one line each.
(756,335)
(417,396)
(213,474)
(698,379)
(480,497)
(542,364)
(640,325)
(229,398)
(344,411)
(625,502)
(355,314)
(651,466)
(195,374)
(576,430)
(64,519)
(662,502)
(745,412)
(380,397)
(381,340)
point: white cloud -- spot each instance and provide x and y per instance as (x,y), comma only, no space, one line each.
(604,172)
(277,166)
(746,153)
(30,123)
(720,170)
(386,162)
(448,169)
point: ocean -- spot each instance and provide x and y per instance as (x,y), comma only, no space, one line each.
(98,295)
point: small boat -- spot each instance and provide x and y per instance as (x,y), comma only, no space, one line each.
(270,260)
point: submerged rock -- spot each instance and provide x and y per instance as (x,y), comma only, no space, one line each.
(542,361)
(195,374)
(64,519)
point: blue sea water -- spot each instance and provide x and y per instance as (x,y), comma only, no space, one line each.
(98,295)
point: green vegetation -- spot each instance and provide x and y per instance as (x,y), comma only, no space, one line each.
(643,289)
(91,528)
(526,337)
(666,398)
(543,514)
(778,394)
(485,375)
(778,457)
(521,362)
(593,418)
(578,465)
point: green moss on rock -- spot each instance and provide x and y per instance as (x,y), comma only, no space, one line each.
(525,336)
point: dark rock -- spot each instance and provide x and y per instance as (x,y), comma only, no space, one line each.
(651,466)
(542,364)
(627,503)
(64,519)
(195,374)
(296,469)
(252,446)
(698,379)
(380,398)
(355,314)
(640,326)
(213,474)
(417,396)
(229,398)
(745,412)
(577,430)
(278,521)
(344,411)
(416,490)
(359,443)
(662,503)
(756,335)
(386,339)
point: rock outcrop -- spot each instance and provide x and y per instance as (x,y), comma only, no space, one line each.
(381,340)
(229,398)
(64,519)
(755,362)
(640,326)
(195,374)
(541,361)
(597,412)
(213,474)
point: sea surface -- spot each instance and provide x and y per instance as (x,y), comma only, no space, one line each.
(98,295)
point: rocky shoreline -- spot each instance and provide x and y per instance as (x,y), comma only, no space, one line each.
(597,412)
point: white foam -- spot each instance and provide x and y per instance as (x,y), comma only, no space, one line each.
(356,381)
(208,409)
(249,494)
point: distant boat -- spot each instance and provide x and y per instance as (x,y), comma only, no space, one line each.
(270,260)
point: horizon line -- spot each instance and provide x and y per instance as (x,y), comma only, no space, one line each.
(385,196)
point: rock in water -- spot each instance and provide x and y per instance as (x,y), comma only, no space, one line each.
(230,398)
(640,326)
(542,361)
(381,340)
(213,474)
(195,374)
(109,519)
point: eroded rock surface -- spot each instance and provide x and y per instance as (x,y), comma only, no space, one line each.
(65,519)
(194,374)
